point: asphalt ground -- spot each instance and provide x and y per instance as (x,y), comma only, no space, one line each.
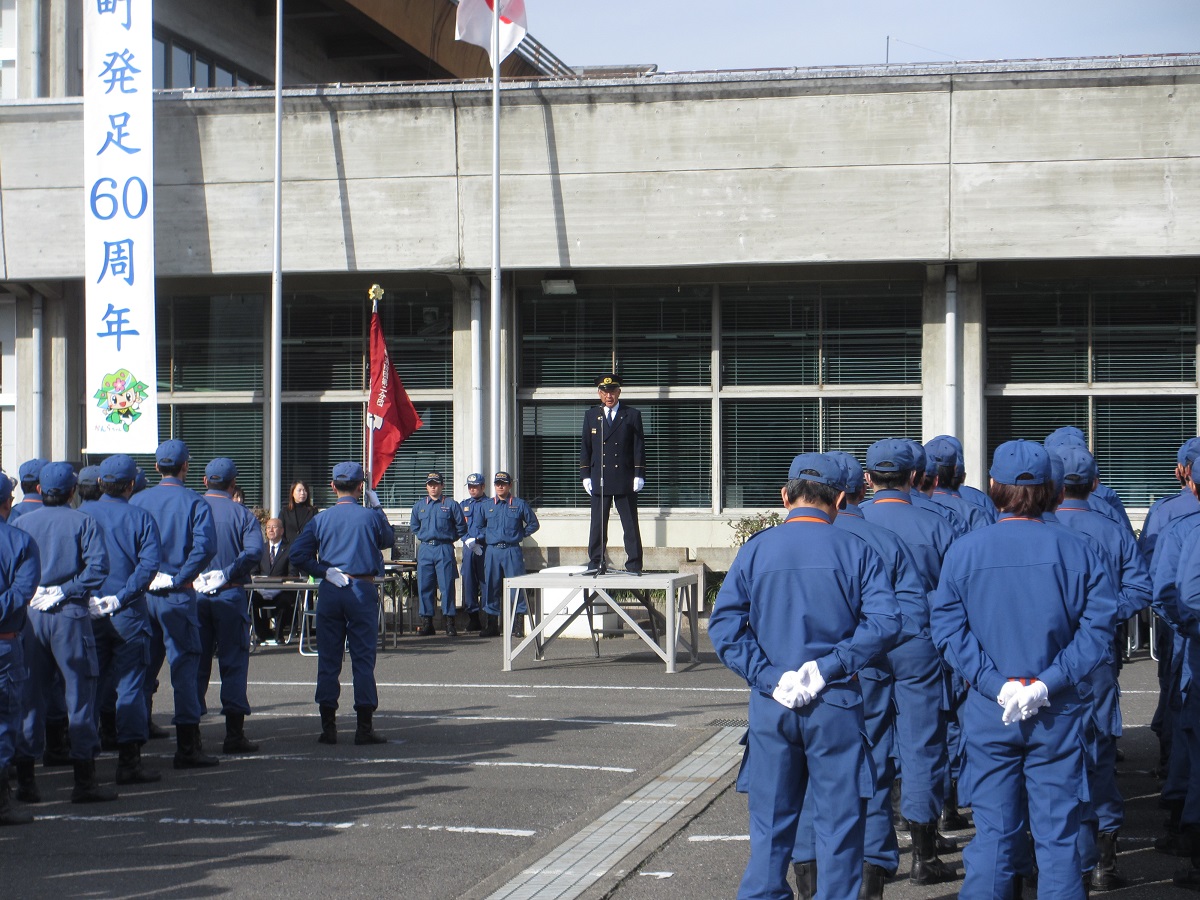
(486,773)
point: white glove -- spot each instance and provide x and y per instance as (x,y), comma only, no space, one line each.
(1032,698)
(46,598)
(99,607)
(473,545)
(336,577)
(1007,693)
(373,499)
(162,582)
(785,691)
(210,582)
(638,484)
(811,682)
(587,486)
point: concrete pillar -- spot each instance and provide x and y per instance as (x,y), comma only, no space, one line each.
(933,353)
(972,374)
(461,365)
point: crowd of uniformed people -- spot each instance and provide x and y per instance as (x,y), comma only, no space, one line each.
(936,647)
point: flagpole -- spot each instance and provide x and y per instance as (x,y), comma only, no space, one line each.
(496,298)
(276,435)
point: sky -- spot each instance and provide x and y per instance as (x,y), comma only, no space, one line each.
(695,35)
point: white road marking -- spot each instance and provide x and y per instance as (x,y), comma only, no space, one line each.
(712,838)
(572,720)
(274,823)
(608,688)
(659,875)
(420,761)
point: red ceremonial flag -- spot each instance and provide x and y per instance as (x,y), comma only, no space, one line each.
(474,24)
(390,414)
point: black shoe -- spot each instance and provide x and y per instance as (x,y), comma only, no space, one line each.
(473,623)
(1185,842)
(130,769)
(427,629)
(189,752)
(235,736)
(365,733)
(9,814)
(87,790)
(1188,879)
(451,626)
(492,629)
(951,819)
(873,880)
(1105,876)
(519,627)
(806,879)
(328,726)
(156,732)
(108,731)
(926,867)
(58,745)
(27,789)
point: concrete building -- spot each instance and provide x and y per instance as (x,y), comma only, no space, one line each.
(775,260)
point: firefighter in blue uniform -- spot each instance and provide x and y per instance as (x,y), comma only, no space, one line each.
(58,632)
(974,496)
(922,699)
(20,571)
(1103,499)
(881,853)
(1127,568)
(437,522)
(31,498)
(187,542)
(223,605)
(343,546)
(1166,509)
(804,607)
(1024,612)
(506,521)
(120,619)
(473,547)
(942,459)
(924,478)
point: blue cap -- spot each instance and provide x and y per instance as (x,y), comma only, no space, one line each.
(959,468)
(944,452)
(30,469)
(819,467)
(171,453)
(852,470)
(1188,452)
(434,478)
(920,461)
(57,478)
(221,469)
(1056,469)
(349,471)
(119,467)
(1079,466)
(502,478)
(89,475)
(475,479)
(890,455)
(139,480)
(1014,459)
(6,487)
(1068,434)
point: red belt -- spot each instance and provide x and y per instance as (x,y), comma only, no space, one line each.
(1025,681)
(9,635)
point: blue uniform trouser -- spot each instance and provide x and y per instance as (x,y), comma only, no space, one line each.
(920,728)
(12,682)
(879,842)
(956,695)
(499,563)
(347,615)
(1038,761)
(176,639)
(225,627)
(1178,762)
(61,640)
(1189,732)
(123,654)
(436,571)
(1105,808)
(472,580)
(820,745)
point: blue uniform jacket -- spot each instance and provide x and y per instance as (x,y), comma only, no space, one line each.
(27,505)
(473,516)
(926,535)
(900,567)
(239,538)
(976,497)
(437,520)
(1165,511)
(956,520)
(799,592)
(347,536)
(1105,500)
(20,575)
(1128,569)
(1164,573)
(131,539)
(507,522)
(187,540)
(71,549)
(1023,599)
(1187,607)
(973,515)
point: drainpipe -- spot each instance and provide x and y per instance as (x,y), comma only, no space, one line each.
(37,369)
(476,376)
(952,350)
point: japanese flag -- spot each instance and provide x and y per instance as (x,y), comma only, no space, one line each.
(474,24)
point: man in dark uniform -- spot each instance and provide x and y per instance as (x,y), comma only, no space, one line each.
(437,522)
(30,487)
(612,465)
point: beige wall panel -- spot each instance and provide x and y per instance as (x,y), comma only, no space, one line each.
(1082,122)
(704,218)
(710,134)
(1080,209)
(43,234)
(41,148)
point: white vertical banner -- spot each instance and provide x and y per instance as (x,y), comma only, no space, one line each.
(118,154)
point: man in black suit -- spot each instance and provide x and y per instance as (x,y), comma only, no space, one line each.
(274,563)
(612,465)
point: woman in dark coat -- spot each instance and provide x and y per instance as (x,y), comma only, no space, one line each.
(298,512)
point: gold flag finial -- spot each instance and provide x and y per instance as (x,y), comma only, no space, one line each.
(375,293)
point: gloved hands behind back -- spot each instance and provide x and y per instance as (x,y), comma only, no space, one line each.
(99,607)
(336,577)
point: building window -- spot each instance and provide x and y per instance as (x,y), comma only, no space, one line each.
(1115,358)
(180,64)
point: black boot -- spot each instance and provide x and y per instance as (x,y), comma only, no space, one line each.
(492,629)
(473,623)
(451,625)
(519,626)
(27,789)
(130,769)
(9,814)
(926,867)
(806,879)
(1184,842)
(235,737)
(898,820)
(874,878)
(1189,878)
(86,789)
(365,733)
(108,731)
(58,744)
(1105,876)
(427,629)
(189,752)
(156,732)
(950,819)
(328,725)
